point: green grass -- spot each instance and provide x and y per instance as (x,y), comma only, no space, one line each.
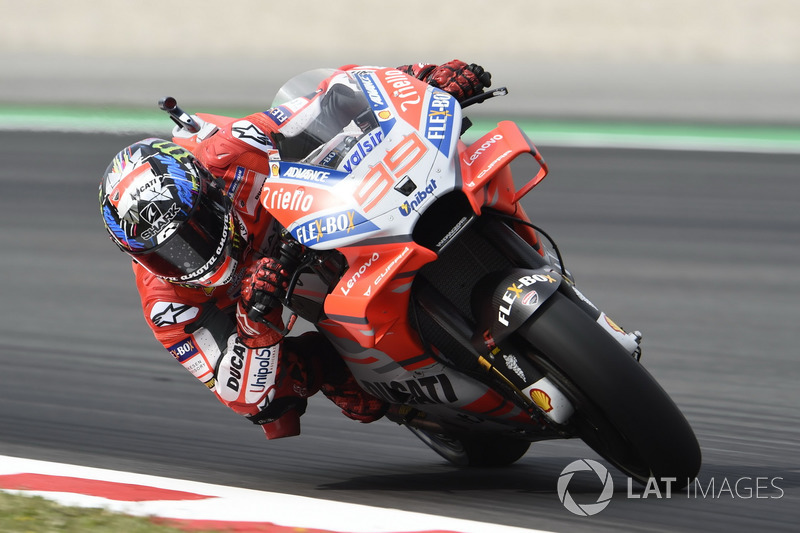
(24,514)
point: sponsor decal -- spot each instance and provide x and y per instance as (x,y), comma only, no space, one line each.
(126,181)
(515,291)
(485,147)
(264,361)
(425,390)
(360,151)
(391,265)
(198,367)
(470,159)
(439,128)
(376,100)
(542,399)
(403,89)
(360,272)
(279,114)
(511,364)
(236,182)
(183,350)
(292,199)
(331,227)
(419,198)
(238,354)
(547,397)
(531,298)
(489,168)
(159,221)
(311,175)
(248,132)
(245,189)
(613,325)
(171,313)
(453,232)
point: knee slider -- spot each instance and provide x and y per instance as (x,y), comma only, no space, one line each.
(277,408)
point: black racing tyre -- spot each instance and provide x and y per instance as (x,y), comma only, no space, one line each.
(473,449)
(621,411)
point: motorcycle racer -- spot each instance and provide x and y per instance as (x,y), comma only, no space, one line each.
(205,251)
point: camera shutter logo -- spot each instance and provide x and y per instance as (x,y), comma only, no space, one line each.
(588,509)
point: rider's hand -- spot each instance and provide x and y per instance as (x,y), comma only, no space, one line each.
(259,312)
(264,284)
(459,79)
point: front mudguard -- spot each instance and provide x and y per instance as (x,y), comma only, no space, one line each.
(503,301)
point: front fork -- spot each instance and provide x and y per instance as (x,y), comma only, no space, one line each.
(630,341)
(502,302)
(520,252)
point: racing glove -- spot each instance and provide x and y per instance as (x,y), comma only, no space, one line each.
(455,77)
(264,285)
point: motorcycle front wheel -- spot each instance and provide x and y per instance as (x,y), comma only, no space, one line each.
(622,413)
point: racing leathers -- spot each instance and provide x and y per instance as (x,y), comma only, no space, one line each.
(248,365)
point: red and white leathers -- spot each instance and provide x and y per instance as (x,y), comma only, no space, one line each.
(247,365)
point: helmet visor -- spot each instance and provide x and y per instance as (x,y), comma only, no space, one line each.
(200,243)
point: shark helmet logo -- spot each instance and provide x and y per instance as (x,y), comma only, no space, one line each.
(147,190)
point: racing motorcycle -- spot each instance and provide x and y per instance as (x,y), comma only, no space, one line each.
(411,252)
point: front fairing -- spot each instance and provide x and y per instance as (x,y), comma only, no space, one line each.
(392,150)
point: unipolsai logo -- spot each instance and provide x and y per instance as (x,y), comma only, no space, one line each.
(566,498)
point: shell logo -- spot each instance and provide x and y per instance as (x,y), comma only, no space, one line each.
(542,399)
(276,169)
(614,326)
(384,115)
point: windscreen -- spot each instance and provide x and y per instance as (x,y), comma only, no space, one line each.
(330,118)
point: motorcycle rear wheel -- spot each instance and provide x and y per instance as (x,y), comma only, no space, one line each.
(622,413)
(482,450)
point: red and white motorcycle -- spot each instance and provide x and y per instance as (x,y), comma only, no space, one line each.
(416,259)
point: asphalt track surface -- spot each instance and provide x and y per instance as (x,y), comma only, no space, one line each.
(698,250)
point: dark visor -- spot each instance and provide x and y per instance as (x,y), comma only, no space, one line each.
(199,244)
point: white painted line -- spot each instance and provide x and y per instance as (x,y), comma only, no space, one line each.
(133,494)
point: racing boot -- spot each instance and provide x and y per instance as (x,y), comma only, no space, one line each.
(338,383)
(354,402)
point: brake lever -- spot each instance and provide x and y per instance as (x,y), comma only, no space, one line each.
(482,97)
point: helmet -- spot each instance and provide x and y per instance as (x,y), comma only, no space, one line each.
(164,209)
